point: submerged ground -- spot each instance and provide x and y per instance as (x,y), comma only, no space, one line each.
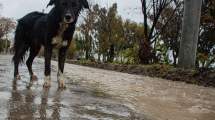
(95,94)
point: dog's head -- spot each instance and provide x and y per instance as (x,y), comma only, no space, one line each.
(69,9)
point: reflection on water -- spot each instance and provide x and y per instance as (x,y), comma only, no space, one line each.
(21,106)
(56,108)
(57,105)
(44,105)
(74,103)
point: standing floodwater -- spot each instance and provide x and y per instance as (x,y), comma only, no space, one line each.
(95,94)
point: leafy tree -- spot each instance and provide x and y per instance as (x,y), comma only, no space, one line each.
(108,26)
(102,29)
(71,53)
(206,45)
(7,25)
(4,44)
(89,31)
(133,33)
(102,33)
(110,37)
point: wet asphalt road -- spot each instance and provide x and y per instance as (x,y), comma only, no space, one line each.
(94,94)
(26,100)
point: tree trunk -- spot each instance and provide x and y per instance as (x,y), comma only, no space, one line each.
(87,56)
(144,46)
(99,57)
(111,53)
(145,55)
(190,32)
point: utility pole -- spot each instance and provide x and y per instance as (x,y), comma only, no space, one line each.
(190,33)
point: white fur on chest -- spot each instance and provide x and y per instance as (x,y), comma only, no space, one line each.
(58,41)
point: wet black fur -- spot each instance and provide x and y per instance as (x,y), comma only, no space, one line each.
(36,30)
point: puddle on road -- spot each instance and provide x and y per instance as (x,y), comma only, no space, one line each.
(73,103)
(94,94)
(24,100)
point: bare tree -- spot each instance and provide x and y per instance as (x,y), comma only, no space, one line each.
(190,33)
(152,10)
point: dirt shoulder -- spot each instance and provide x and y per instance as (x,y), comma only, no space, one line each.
(199,77)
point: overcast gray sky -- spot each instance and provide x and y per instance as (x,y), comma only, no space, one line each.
(129,9)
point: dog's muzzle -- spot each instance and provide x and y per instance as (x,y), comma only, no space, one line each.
(68,18)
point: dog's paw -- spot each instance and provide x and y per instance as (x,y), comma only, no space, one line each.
(17,77)
(47,82)
(34,78)
(61,84)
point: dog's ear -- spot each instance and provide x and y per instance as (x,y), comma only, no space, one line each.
(51,2)
(85,4)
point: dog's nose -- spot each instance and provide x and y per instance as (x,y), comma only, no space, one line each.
(68,17)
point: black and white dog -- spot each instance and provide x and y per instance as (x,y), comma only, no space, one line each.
(54,29)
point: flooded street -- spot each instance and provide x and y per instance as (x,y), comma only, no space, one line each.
(95,94)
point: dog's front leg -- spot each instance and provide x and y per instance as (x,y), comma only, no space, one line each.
(47,54)
(61,62)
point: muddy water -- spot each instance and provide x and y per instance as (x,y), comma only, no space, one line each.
(27,100)
(94,94)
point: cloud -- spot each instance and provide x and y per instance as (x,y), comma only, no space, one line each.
(18,8)
(129,9)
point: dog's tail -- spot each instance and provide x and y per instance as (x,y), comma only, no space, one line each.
(21,43)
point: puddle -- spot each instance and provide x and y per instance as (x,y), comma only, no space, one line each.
(25,100)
